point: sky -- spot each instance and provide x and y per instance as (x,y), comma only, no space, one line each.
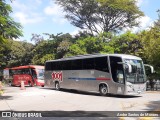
(44,16)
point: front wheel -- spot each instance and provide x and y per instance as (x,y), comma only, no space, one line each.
(57,86)
(103,89)
(10,84)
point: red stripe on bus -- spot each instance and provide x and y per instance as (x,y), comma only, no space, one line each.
(102,78)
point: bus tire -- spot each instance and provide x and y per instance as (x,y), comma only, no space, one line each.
(57,86)
(10,84)
(103,89)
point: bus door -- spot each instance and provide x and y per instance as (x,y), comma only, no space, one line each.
(33,76)
(117,72)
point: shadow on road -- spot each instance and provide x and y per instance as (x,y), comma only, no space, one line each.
(76,113)
(153,106)
(92,93)
(5,97)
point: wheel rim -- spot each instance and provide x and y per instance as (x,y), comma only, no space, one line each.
(104,90)
(57,86)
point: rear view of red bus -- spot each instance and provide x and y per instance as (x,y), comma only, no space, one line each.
(31,75)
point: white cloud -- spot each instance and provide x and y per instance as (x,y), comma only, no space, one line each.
(17,39)
(56,13)
(59,20)
(139,2)
(76,31)
(26,15)
(27,19)
(145,23)
(53,9)
(38,1)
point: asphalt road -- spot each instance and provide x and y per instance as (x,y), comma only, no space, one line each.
(75,104)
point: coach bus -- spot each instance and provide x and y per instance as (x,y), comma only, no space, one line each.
(31,75)
(105,73)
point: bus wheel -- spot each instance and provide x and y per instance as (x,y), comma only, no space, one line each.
(10,84)
(103,89)
(57,86)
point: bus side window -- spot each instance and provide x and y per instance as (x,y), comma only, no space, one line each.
(66,65)
(48,66)
(88,63)
(101,63)
(77,64)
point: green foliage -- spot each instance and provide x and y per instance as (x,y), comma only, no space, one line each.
(19,54)
(4,51)
(15,53)
(151,46)
(127,43)
(42,52)
(9,29)
(90,45)
(55,47)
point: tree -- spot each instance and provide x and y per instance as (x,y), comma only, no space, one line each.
(61,43)
(91,44)
(37,38)
(150,39)
(157,23)
(151,46)
(5,49)
(15,53)
(127,43)
(9,29)
(43,51)
(98,16)
(20,53)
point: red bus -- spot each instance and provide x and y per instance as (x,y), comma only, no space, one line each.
(32,75)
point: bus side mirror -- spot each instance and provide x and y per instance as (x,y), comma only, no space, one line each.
(149,69)
(128,67)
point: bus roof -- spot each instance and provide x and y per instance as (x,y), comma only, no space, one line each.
(124,56)
(27,66)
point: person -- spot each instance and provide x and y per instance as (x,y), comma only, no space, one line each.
(157,84)
(152,84)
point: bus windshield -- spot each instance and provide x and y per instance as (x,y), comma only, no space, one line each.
(40,74)
(138,75)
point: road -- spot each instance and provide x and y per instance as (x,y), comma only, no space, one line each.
(69,103)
